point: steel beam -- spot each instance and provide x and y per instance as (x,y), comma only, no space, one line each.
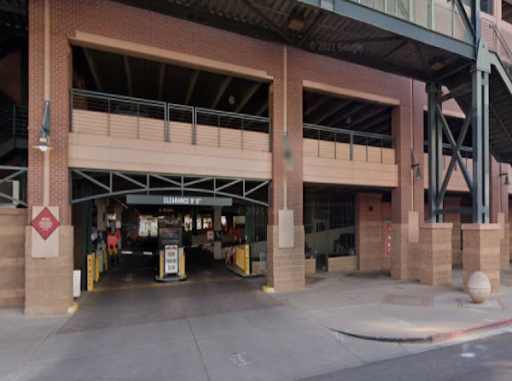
(397,26)
(435,149)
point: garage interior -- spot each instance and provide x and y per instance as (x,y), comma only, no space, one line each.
(123,85)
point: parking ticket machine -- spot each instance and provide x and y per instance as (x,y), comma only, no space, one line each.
(172,259)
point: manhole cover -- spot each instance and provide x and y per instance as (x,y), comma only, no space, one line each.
(312,280)
(408,300)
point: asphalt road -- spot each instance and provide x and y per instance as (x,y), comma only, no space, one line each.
(488,359)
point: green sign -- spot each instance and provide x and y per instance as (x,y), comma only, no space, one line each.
(136,199)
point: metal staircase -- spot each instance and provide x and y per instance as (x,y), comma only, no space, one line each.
(500,96)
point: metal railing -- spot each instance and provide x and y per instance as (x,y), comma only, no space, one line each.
(13,186)
(439,16)
(374,144)
(13,122)
(170,114)
(465,152)
(501,48)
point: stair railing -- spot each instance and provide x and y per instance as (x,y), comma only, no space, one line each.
(502,49)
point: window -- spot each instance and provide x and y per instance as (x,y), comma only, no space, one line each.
(487,6)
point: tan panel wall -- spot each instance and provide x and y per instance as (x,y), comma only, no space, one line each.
(12,257)
(341,151)
(133,127)
(330,171)
(87,151)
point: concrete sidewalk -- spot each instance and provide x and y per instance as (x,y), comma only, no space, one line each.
(230,330)
(373,306)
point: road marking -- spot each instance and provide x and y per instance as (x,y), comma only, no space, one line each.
(240,359)
(158,285)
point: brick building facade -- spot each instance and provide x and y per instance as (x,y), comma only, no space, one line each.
(57,25)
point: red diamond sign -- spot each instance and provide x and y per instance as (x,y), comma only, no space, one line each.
(45,223)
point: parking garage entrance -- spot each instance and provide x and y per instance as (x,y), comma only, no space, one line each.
(134,229)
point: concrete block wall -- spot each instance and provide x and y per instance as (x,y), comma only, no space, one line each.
(12,257)
(341,264)
(481,252)
(310,266)
(435,252)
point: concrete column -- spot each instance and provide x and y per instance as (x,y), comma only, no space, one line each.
(194,221)
(217,226)
(49,280)
(101,207)
(286,265)
(119,209)
(408,197)
(435,251)
(369,231)
(481,252)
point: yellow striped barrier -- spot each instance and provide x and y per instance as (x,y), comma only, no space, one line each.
(242,258)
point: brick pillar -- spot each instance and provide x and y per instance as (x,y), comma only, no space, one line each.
(454,219)
(408,197)
(435,251)
(48,280)
(481,252)
(499,209)
(286,266)
(369,231)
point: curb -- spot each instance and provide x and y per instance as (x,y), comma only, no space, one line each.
(440,337)
(434,338)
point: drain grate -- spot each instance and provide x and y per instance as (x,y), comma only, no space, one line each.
(408,300)
(368,275)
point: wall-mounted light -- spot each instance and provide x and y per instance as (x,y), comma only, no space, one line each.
(507,180)
(43,143)
(416,164)
(437,63)
(288,155)
(296,21)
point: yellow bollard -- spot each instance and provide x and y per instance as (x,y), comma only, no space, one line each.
(161,268)
(90,272)
(97,269)
(182,263)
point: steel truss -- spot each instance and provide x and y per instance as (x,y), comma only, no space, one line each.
(477,116)
(105,181)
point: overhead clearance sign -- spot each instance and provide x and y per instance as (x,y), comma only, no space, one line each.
(136,199)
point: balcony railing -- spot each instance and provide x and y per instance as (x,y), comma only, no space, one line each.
(441,16)
(334,143)
(13,122)
(466,154)
(125,117)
